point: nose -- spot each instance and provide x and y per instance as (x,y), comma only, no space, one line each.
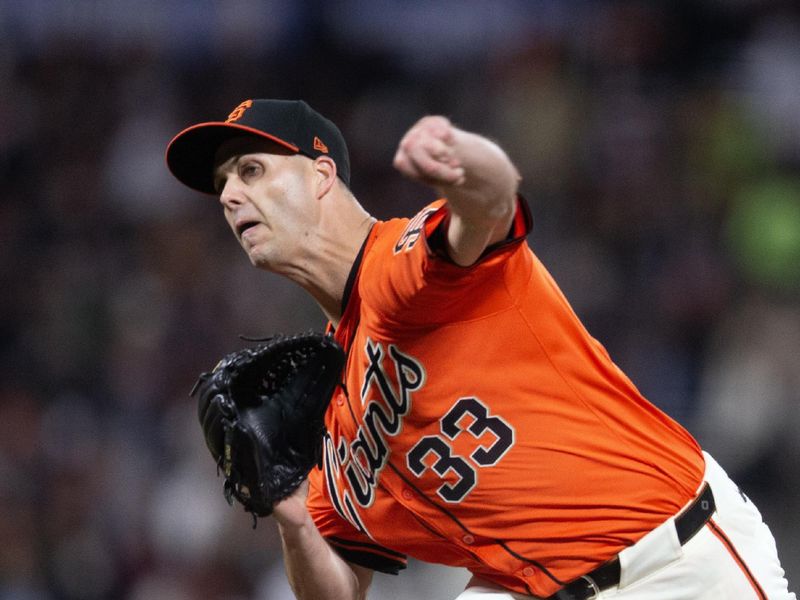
(230,196)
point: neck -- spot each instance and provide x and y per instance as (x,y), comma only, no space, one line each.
(324,270)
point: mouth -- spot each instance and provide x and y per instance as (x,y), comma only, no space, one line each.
(243,226)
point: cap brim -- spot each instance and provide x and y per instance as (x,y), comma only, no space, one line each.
(191,154)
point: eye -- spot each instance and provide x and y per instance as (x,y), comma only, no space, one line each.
(249,170)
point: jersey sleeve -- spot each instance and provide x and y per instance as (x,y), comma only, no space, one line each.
(349,543)
(436,232)
(409,281)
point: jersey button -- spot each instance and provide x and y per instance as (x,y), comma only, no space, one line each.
(468,539)
(527,571)
(340,399)
(407,494)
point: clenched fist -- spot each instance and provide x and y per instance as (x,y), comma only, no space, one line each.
(428,153)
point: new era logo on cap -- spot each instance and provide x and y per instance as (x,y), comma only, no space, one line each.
(318,145)
(292,124)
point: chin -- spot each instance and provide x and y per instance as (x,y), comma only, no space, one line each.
(260,261)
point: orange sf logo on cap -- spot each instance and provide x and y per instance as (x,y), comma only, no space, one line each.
(239,111)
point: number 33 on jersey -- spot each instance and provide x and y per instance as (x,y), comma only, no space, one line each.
(434,459)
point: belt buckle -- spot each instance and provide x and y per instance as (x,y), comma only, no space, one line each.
(592,586)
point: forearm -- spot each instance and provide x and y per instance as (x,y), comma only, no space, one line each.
(487,191)
(473,173)
(482,204)
(314,570)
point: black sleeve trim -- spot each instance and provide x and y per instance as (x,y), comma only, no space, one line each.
(370,556)
(521,226)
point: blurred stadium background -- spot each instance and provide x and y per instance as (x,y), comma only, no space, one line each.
(660,148)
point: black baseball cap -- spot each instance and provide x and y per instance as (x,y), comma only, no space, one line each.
(291,123)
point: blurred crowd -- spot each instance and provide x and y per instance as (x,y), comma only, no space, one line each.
(659,145)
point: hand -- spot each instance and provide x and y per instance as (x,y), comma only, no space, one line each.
(427,153)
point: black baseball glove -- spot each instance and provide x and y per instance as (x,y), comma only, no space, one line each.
(262,413)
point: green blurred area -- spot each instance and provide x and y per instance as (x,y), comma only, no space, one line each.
(763,233)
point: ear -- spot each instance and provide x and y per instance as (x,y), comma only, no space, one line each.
(325,173)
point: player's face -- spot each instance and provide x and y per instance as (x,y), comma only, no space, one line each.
(267,200)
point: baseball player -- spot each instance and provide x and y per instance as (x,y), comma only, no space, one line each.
(478,425)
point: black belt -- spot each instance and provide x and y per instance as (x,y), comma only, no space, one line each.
(687,524)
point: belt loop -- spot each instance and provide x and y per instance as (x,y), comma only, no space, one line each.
(593,586)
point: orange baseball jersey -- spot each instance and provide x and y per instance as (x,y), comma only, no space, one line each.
(481,425)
